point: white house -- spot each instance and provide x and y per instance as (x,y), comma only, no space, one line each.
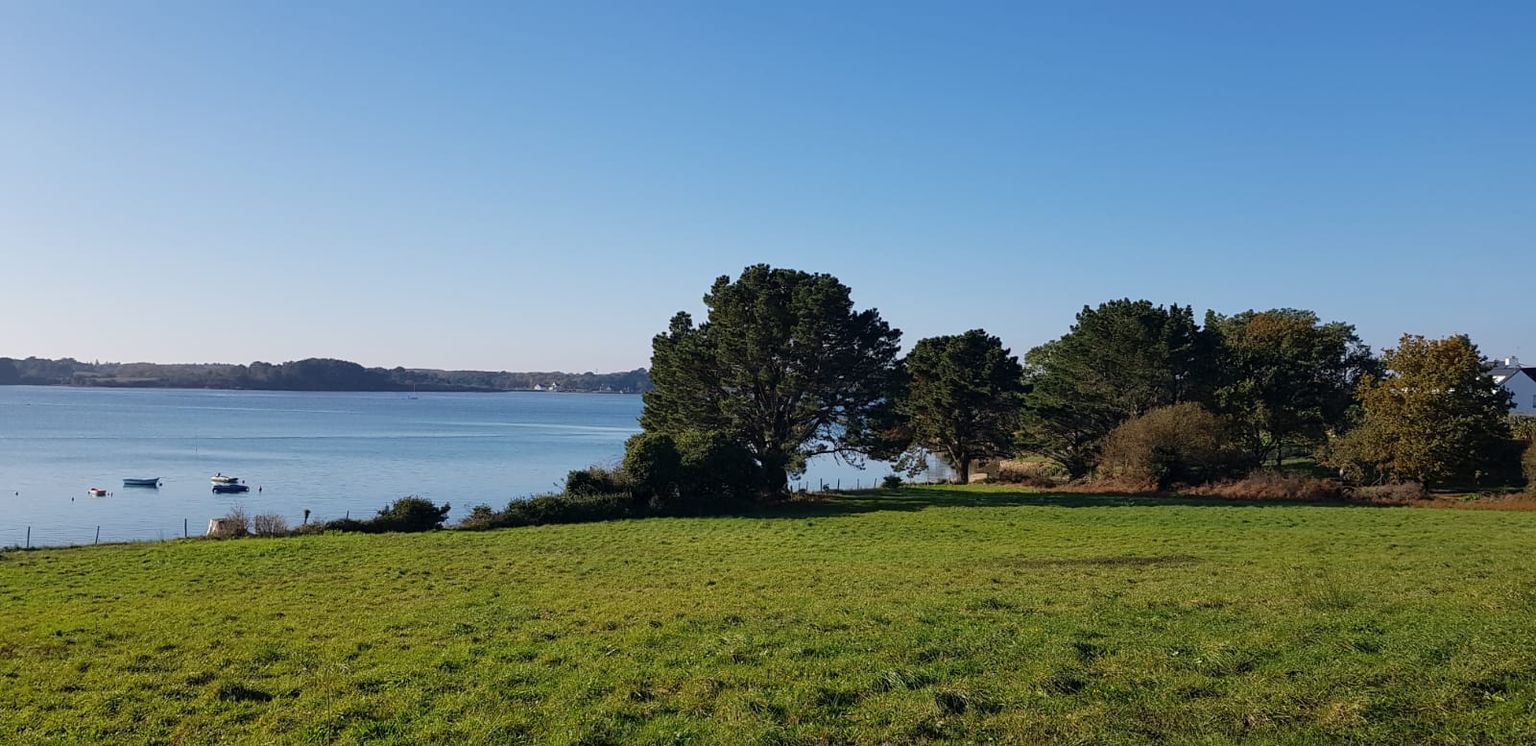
(1519,381)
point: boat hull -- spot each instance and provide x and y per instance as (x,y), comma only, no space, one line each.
(230,489)
(142,482)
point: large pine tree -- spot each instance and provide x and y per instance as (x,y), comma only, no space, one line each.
(1119,360)
(963,398)
(783,365)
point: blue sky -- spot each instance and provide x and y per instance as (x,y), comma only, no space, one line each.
(540,186)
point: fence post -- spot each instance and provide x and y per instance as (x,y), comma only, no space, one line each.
(183,528)
(29,537)
(98,536)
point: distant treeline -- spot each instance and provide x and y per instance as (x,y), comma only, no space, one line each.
(313,374)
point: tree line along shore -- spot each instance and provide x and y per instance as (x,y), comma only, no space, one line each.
(310,374)
(1135,397)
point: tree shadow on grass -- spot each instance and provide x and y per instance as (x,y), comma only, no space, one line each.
(917,497)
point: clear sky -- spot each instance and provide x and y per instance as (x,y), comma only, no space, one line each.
(541,185)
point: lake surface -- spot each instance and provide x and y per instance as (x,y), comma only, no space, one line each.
(331,453)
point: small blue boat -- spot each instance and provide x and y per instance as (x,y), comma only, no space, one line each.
(141,482)
(224,489)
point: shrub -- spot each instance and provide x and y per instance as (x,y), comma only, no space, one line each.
(1394,492)
(1024,473)
(891,482)
(1523,427)
(653,465)
(596,480)
(480,518)
(269,524)
(1178,444)
(714,472)
(412,514)
(235,524)
(1528,464)
(544,509)
(1267,484)
(1109,485)
(693,472)
(408,514)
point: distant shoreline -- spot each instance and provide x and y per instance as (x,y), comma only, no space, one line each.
(121,387)
(310,374)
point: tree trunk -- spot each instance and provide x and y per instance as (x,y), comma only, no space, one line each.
(775,477)
(962,471)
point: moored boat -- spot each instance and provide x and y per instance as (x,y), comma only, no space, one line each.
(223,489)
(222,478)
(141,482)
(96,492)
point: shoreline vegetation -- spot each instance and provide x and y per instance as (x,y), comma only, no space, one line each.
(580,503)
(310,374)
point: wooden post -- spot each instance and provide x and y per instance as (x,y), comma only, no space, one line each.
(29,537)
(98,536)
(183,528)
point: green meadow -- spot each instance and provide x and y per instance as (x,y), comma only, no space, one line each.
(928,614)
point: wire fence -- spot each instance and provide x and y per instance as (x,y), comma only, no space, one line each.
(28,537)
(55,535)
(41,536)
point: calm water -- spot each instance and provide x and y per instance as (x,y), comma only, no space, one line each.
(330,453)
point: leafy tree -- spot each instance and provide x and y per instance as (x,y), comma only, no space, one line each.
(8,373)
(1118,361)
(782,366)
(1286,378)
(963,397)
(1436,417)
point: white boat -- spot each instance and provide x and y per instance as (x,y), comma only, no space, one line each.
(222,478)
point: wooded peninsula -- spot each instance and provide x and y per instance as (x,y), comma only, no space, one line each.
(311,374)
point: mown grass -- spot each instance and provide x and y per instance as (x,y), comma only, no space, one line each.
(931,614)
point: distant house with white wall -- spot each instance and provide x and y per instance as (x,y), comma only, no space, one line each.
(1520,381)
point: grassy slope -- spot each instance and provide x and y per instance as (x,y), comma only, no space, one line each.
(941,613)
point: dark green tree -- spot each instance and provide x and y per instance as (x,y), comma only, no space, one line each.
(1287,379)
(1118,361)
(783,366)
(962,399)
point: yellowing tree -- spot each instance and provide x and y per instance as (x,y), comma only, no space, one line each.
(1436,417)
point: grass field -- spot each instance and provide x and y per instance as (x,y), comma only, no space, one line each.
(931,614)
